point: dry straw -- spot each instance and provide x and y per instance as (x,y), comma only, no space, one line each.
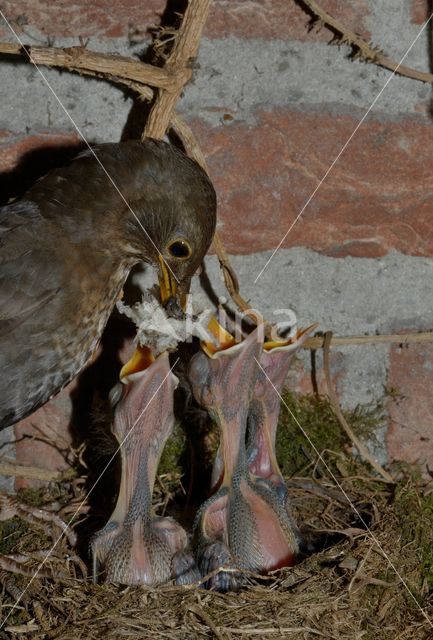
(345,592)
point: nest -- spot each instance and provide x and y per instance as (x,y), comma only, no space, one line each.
(369,573)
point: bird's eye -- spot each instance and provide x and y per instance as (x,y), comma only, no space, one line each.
(179,249)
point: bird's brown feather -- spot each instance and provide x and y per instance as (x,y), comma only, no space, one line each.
(67,248)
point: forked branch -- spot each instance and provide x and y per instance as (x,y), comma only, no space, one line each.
(363,50)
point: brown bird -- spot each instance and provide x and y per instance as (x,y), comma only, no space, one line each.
(66,250)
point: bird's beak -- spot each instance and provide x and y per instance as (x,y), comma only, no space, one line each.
(183,292)
(224,339)
(141,359)
(167,282)
(296,341)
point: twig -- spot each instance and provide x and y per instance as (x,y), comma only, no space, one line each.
(12,566)
(358,571)
(266,631)
(365,51)
(363,451)
(318,342)
(315,488)
(9,507)
(184,50)
(12,588)
(188,140)
(201,613)
(82,60)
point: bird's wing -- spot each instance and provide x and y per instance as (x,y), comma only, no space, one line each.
(23,290)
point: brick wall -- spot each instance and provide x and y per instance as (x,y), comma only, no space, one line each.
(272,106)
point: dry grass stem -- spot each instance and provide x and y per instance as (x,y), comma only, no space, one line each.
(362,449)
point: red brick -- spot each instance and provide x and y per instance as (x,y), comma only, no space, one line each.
(301,380)
(410,435)
(103,18)
(377,197)
(280,19)
(43,439)
(419,11)
(14,146)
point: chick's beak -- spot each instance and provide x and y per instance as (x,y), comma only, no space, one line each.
(141,359)
(224,339)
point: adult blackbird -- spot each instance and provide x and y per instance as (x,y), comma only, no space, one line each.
(66,250)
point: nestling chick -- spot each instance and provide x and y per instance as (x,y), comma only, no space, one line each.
(241,525)
(135,547)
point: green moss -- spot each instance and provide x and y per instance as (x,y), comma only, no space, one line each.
(171,459)
(32,497)
(11,532)
(313,415)
(414,509)
(43,495)
(17,535)
(365,419)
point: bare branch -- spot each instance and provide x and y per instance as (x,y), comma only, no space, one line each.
(318,342)
(178,64)
(81,59)
(365,51)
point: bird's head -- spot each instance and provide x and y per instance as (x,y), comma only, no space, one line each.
(173,214)
(135,202)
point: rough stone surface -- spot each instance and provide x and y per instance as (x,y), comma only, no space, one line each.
(236,76)
(410,379)
(272,106)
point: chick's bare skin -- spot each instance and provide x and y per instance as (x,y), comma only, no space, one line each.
(264,411)
(241,525)
(136,547)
